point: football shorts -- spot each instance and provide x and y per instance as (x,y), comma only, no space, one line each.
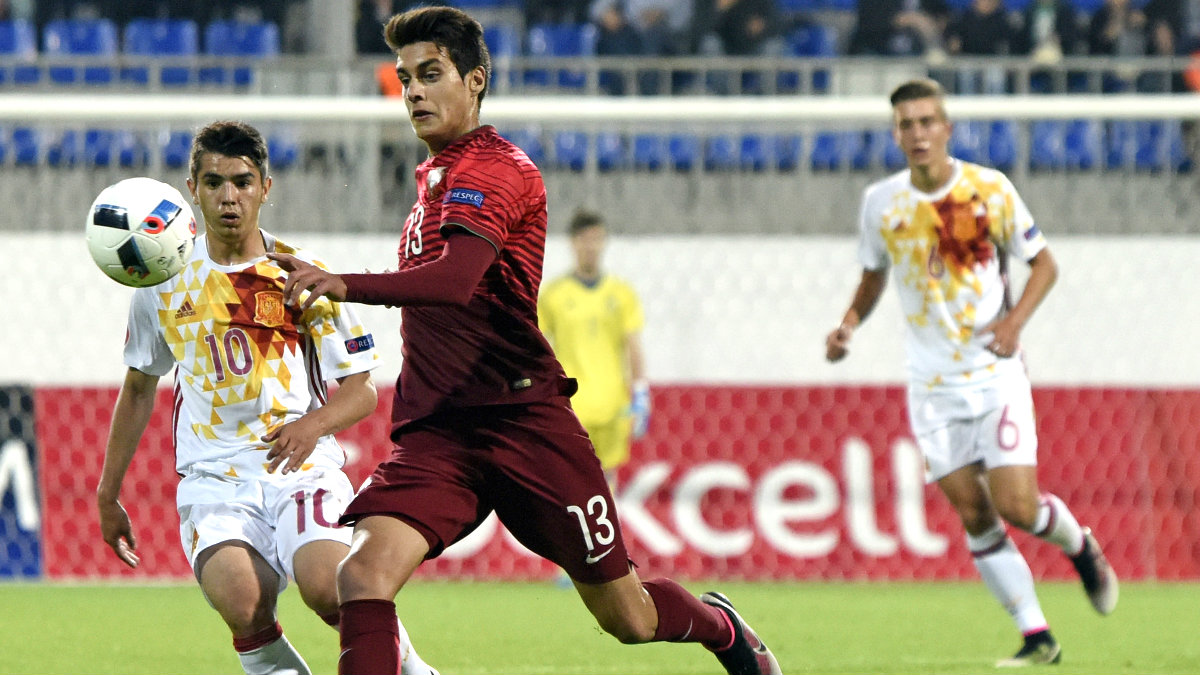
(994,425)
(275,517)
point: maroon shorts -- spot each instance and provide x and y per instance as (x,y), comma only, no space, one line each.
(530,463)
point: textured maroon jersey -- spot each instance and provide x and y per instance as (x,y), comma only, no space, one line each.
(491,351)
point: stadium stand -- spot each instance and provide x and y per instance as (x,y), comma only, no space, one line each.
(168,38)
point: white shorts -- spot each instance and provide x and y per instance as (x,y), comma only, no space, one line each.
(275,516)
(993,425)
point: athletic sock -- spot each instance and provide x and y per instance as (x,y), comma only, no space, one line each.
(370,638)
(1056,524)
(1007,576)
(410,662)
(683,618)
(268,652)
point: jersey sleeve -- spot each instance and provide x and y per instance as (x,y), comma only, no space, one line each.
(343,344)
(872,251)
(632,317)
(1026,239)
(484,196)
(145,348)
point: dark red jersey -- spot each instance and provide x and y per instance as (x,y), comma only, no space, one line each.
(491,351)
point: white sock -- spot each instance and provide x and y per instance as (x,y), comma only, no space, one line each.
(410,662)
(1056,524)
(1007,576)
(276,658)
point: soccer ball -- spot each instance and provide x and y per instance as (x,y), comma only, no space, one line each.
(140,231)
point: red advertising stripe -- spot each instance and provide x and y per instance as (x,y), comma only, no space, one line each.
(789,482)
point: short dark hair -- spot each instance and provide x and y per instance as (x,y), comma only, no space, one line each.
(917,89)
(449,28)
(232,139)
(583,219)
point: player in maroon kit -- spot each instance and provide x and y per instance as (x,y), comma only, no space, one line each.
(482,419)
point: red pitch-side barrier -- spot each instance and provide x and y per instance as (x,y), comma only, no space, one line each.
(756,483)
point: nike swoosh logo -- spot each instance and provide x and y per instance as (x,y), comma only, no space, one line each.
(593,559)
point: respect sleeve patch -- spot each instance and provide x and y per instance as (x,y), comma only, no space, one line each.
(358,344)
(464,196)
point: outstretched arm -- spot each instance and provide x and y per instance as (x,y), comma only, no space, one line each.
(293,442)
(870,287)
(130,416)
(1006,331)
(449,280)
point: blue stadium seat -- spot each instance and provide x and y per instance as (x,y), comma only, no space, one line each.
(26,146)
(64,148)
(571,150)
(893,156)
(132,148)
(18,42)
(649,152)
(99,147)
(85,38)
(611,151)
(1118,143)
(560,40)
(169,38)
(684,151)
(1047,145)
(1153,146)
(176,148)
(528,139)
(834,150)
(1002,144)
(754,152)
(787,151)
(722,153)
(237,39)
(503,42)
(969,141)
(1082,143)
(283,148)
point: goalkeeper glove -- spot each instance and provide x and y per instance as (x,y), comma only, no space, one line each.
(639,408)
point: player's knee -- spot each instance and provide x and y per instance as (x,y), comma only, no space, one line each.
(1021,513)
(360,577)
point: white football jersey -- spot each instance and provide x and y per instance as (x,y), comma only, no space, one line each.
(948,253)
(244,362)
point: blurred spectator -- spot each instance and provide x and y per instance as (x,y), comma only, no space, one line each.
(1049,31)
(662,25)
(739,27)
(615,36)
(1167,24)
(983,29)
(16,9)
(555,11)
(899,27)
(1117,28)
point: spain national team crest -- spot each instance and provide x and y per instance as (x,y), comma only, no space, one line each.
(269,308)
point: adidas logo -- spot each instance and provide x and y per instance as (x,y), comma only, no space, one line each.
(186,310)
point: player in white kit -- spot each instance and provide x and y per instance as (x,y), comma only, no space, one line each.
(946,229)
(261,483)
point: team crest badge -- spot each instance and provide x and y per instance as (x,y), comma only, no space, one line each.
(269,308)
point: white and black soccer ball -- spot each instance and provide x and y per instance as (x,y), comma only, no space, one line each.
(140,231)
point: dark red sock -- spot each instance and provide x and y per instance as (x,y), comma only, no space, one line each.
(370,637)
(262,638)
(683,618)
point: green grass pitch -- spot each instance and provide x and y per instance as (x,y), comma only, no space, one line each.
(532,628)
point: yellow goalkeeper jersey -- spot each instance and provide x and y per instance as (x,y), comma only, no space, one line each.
(587,326)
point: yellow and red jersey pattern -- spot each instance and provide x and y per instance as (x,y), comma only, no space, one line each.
(587,324)
(948,253)
(245,363)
